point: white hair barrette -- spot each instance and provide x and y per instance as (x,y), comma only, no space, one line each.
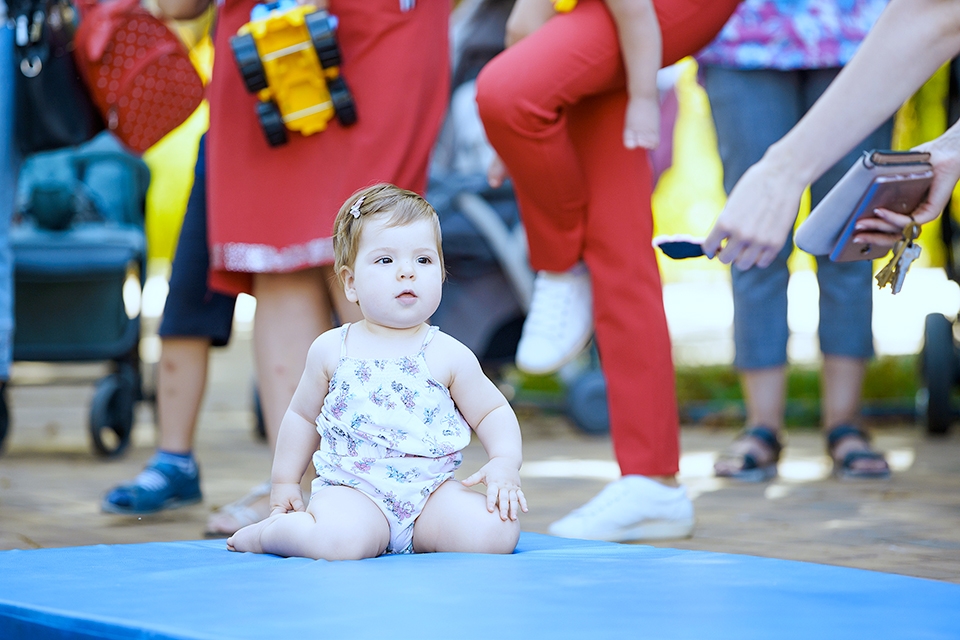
(355,209)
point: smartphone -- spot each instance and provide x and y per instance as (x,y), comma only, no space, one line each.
(679,247)
(902,193)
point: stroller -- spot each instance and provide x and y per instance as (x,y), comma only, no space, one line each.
(77,240)
(490,283)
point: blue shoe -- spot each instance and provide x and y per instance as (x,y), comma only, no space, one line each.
(161,485)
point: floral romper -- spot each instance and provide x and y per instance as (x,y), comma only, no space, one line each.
(391,431)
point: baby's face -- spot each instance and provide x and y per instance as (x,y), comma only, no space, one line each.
(396,277)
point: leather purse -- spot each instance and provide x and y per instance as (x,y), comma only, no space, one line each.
(53,108)
(137,70)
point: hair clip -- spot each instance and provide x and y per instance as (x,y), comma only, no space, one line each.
(355,209)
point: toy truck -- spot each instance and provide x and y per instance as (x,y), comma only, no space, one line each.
(288,55)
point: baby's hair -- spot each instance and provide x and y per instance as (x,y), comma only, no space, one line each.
(404,207)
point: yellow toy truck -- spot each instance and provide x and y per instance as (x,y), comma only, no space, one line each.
(288,55)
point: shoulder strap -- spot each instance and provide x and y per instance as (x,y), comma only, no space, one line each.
(432,331)
(343,340)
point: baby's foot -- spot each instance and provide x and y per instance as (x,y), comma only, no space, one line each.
(248,538)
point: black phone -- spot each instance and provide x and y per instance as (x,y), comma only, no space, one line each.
(901,193)
(679,248)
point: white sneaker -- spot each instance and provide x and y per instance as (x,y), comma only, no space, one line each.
(559,323)
(631,508)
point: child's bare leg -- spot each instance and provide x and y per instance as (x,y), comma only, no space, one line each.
(455,518)
(339,524)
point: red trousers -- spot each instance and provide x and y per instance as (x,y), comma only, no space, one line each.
(553,107)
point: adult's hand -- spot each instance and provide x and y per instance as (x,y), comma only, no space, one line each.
(886,228)
(758,216)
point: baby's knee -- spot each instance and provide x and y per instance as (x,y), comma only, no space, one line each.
(498,536)
(345,543)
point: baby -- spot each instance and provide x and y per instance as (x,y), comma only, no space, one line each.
(390,401)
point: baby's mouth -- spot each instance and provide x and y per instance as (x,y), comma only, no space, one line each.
(406,295)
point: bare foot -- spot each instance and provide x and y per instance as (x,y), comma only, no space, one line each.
(248,538)
(868,465)
(733,459)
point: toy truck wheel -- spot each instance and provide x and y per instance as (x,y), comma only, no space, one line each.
(320,28)
(272,123)
(343,104)
(248,61)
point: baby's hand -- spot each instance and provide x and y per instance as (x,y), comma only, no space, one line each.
(642,123)
(286,497)
(503,487)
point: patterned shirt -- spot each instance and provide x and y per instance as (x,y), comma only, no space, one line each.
(792,34)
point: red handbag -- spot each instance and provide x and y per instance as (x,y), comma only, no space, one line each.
(137,70)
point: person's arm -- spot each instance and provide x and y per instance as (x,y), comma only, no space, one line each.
(526,17)
(491,417)
(911,39)
(641,48)
(298,437)
(183,9)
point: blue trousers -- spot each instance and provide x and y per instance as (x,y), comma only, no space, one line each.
(9,167)
(752,109)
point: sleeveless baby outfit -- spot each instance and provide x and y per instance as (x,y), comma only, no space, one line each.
(391,431)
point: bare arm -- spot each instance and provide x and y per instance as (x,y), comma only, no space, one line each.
(641,48)
(183,9)
(526,17)
(491,417)
(298,437)
(909,42)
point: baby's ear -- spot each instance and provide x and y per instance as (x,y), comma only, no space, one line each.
(349,290)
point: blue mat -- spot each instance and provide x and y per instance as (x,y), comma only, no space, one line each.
(550,588)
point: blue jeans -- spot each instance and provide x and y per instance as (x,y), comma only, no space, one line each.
(752,109)
(9,167)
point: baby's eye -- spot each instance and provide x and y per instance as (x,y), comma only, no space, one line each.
(424,260)
(384,260)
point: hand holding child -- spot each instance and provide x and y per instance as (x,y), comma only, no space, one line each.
(502,479)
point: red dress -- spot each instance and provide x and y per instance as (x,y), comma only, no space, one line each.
(271,209)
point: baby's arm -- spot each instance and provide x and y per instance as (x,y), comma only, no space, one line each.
(640,46)
(298,437)
(491,417)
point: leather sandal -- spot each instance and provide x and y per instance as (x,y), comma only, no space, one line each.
(846,468)
(750,469)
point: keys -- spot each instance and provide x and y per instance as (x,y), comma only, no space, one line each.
(911,253)
(904,253)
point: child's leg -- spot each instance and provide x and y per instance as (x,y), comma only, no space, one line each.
(455,518)
(339,524)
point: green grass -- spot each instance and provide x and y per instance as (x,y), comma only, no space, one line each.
(711,394)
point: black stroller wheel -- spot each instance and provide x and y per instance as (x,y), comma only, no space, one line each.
(939,363)
(4,415)
(587,403)
(111,415)
(259,426)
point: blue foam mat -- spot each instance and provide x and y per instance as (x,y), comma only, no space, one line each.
(549,588)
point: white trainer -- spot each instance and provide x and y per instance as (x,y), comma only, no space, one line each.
(559,323)
(631,508)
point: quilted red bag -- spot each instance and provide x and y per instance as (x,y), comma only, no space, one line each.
(137,70)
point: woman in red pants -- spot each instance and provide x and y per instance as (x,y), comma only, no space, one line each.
(553,106)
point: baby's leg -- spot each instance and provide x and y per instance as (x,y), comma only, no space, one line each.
(339,524)
(455,518)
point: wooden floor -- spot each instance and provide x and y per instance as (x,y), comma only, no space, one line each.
(51,484)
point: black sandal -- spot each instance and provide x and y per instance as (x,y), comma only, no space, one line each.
(750,470)
(846,469)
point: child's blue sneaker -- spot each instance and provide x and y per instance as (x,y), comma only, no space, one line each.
(161,485)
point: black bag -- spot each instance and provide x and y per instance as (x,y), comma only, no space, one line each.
(53,108)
